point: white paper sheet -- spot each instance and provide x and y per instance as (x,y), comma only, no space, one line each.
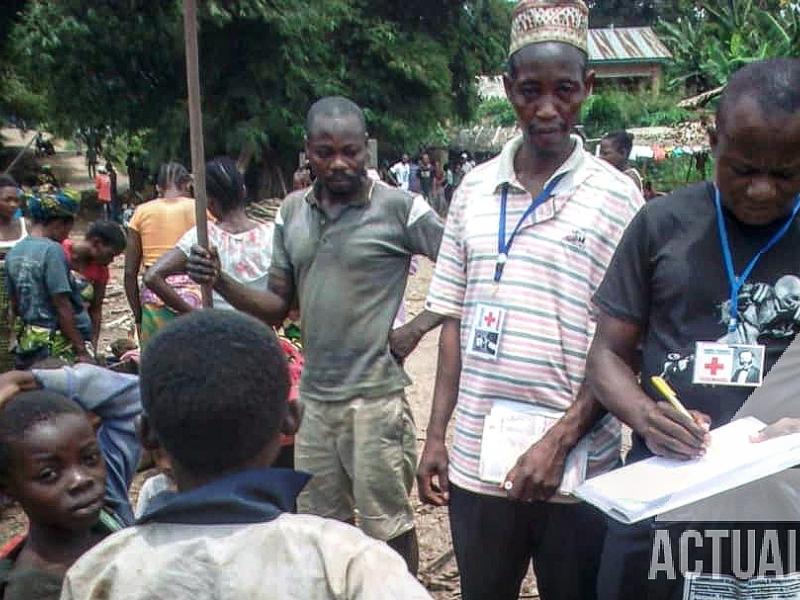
(656,485)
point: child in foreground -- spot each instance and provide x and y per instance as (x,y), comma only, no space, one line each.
(214,386)
(71,481)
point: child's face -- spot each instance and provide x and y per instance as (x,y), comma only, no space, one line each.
(58,473)
(9,201)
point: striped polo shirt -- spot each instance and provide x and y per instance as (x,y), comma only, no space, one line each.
(556,263)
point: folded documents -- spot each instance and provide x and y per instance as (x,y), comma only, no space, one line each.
(510,429)
(657,485)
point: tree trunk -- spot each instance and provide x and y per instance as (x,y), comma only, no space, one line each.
(245,158)
(271,179)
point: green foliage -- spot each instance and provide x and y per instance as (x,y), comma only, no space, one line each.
(602,112)
(497,112)
(621,13)
(611,110)
(634,13)
(714,39)
(119,67)
(101,67)
(673,173)
(18,99)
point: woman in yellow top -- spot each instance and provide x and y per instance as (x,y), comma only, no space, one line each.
(155,228)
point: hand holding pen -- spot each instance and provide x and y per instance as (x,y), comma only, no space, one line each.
(670,430)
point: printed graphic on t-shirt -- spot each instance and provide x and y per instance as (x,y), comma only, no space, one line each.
(576,239)
(766,313)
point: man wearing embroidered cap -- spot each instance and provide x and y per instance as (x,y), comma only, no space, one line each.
(528,237)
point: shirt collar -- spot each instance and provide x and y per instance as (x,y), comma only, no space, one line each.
(507,175)
(363,198)
(251,496)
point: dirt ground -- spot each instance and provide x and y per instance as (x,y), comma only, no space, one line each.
(437,566)
(67,165)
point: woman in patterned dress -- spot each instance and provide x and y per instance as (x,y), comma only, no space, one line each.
(12,230)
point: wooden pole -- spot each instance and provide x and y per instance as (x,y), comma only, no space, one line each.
(196,130)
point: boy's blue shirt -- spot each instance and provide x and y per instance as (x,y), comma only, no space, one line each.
(114,397)
(36,270)
(250,496)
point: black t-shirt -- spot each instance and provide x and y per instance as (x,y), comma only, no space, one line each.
(668,275)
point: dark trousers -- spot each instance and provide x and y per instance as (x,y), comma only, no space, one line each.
(116,209)
(495,540)
(626,561)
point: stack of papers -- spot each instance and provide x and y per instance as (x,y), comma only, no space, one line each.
(657,485)
(510,429)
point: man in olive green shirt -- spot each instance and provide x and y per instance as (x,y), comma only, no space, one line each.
(342,251)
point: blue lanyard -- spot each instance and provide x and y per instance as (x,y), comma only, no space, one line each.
(735,282)
(503,246)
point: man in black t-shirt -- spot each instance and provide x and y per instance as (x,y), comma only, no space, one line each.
(698,316)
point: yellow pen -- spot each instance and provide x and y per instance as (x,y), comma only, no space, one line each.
(663,388)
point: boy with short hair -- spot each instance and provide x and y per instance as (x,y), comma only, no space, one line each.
(71,481)
(214,388)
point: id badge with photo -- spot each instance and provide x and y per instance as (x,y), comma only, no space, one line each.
(737,365)
(487,332)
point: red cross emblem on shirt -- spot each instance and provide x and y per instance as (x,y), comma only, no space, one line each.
(490,319)
(714,366)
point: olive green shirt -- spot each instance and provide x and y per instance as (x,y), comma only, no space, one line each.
(349,275)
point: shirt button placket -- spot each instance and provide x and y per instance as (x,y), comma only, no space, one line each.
(323,236)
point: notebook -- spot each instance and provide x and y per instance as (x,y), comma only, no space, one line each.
(657,485)
(510,429)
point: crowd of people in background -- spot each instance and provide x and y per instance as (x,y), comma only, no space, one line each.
(435,179)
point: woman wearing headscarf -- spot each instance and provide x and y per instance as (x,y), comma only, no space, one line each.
(155,228)
(51,319)
(12,230)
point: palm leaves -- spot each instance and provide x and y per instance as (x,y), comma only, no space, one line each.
(719,37)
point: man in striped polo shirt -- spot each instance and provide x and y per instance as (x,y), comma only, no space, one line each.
(527,242)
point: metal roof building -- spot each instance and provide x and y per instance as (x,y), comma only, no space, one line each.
(625,45)
(628,52)
(633,53)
